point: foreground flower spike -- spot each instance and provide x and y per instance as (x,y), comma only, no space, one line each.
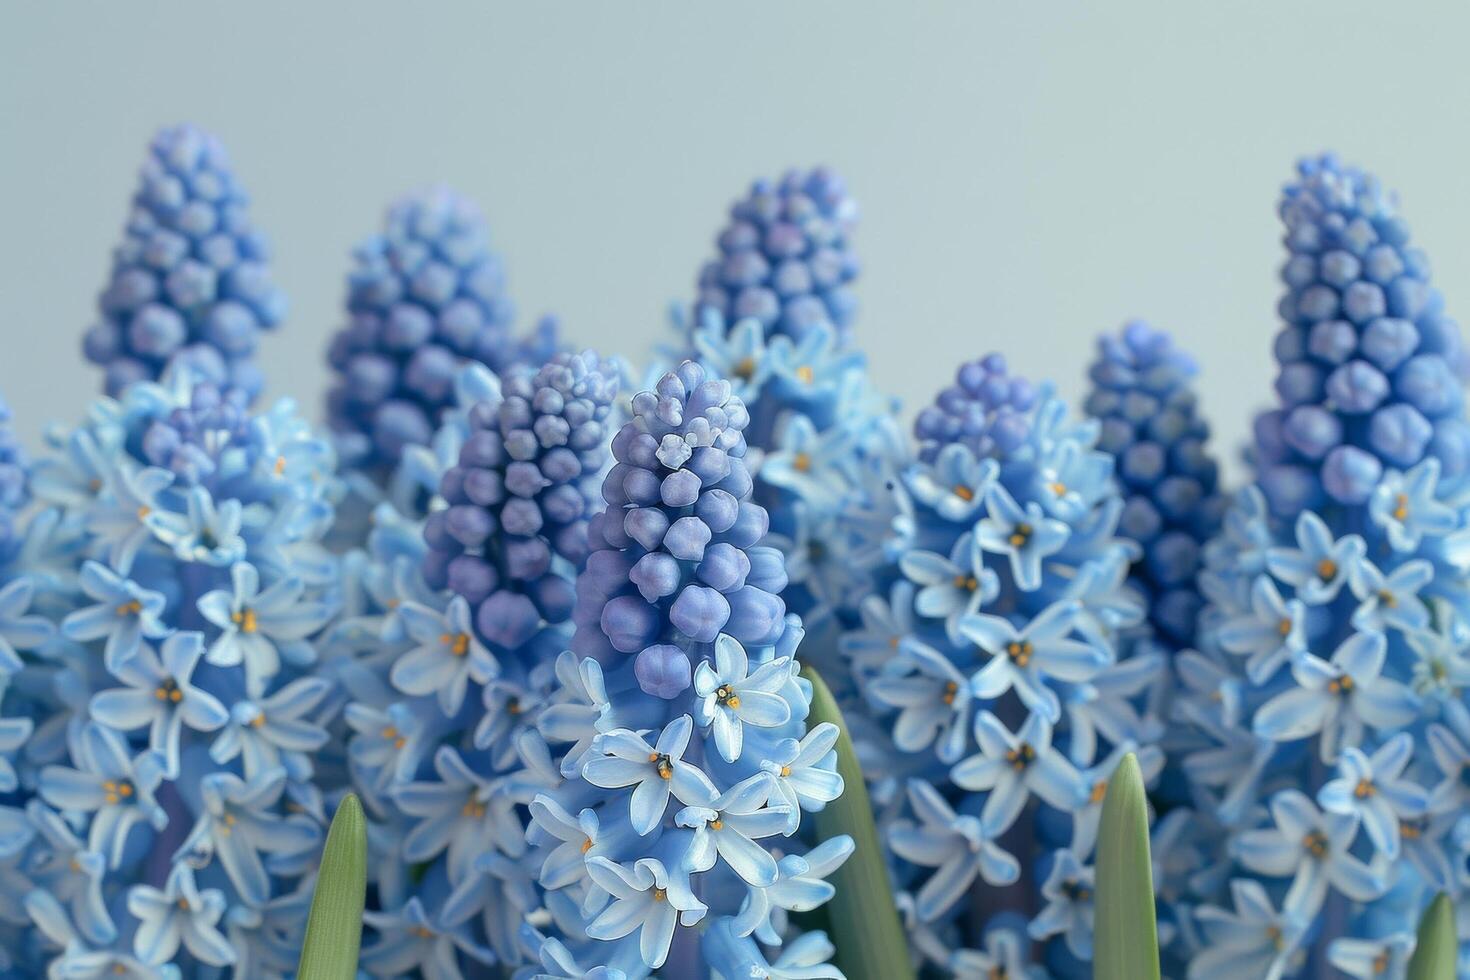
(189,281)
(659,851)
(1009,663)
(454,659)
(1367,380)
(1322,724)
(774,318)
(784,257)
(170,782)
(521,496)
(426,295)
(1142,395)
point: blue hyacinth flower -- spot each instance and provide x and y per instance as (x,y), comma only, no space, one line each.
(190,282)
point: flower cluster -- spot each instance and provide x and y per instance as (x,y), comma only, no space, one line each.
(1009,662)
(682,729)
(1143,398)
(784,258)
(454,673)
(1326,703)
(189,282)
(773,318)
(1368,356)
(426,295)
(162,637)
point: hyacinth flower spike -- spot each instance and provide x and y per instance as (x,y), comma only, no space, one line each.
(1004,672)
(1143,397)
(189,282)
(426,296)
(692,788)
(773,316)
(1346,543)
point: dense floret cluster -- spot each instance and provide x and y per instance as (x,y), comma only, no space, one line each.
(1367,355)
(1326,701)
(825,441)
(1008,664)
(189,282)
(684,744)
(455,635)
(425,295)
(1143,397)
(163,639)
(784,259)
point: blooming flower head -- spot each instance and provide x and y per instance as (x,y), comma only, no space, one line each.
(774,317)
(1143,397)
(1015,604)
(1335,610)
(179,567)
(189,282)
(425,296)
(785,259)
(699,758)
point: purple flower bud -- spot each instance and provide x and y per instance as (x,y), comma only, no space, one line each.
(1312,430)
(647,526)
(1349,474)
(723,567)
(1389,341)
(507,619)
(656,575)
(630,623)
(472,578)
(751,525)
(1356,388)
(686,539)
(699,613)
(1333,341)
(663,671)
(756,616)
(767,570)
(1399,434)
(469,525)
(680,489)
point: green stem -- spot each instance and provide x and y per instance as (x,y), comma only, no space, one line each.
(1126,941)
(1437,948)
(334,927)
(866,929)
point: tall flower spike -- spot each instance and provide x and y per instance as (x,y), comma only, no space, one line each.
(425,296)
(189,282)
(668,819)
(179,555)
(521,496)
(1009,665)
(784,257)
(1143,397)
(774,318)
(451,660)
(1367,354)
(1322,721)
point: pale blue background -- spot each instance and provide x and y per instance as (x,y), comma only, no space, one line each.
(1029,173)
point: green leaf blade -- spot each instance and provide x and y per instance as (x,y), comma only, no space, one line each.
(1126,944)
(866,928)
(1438,947)
(334,927)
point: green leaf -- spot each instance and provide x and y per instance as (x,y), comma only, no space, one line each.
(1435,953)
(866,929)
(334,927)
(1126,941)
